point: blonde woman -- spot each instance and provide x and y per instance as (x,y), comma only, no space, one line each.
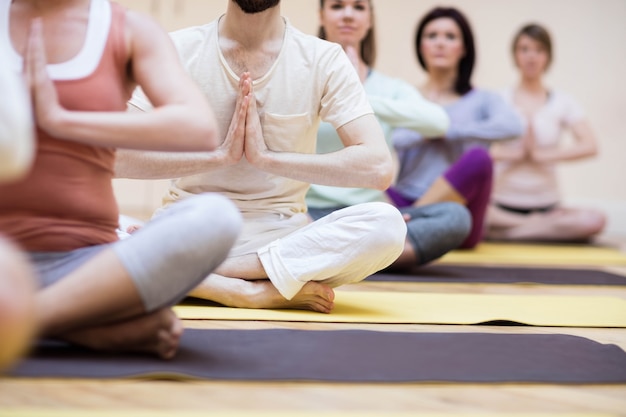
(526,200)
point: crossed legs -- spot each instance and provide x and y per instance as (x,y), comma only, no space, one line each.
(558,225)
(300,269)
(118,296)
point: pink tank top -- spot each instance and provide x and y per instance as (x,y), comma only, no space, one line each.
(66,201)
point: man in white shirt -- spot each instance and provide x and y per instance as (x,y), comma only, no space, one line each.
(270,86)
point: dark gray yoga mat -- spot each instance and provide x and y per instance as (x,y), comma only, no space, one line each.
(349,356)
(501,275)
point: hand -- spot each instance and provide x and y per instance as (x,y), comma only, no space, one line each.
(534,152)
(255,146)
(528,140)
(48,111)
(233,146)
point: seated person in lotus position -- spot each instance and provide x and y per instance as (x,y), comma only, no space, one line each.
(526,200)
(83,59)
(454,166)
(270,86)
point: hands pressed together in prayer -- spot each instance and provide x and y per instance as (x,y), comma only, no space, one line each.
(525,149)
(245,134)
(47,112)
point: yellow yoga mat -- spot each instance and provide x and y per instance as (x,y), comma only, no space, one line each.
(535,254)
(430,308)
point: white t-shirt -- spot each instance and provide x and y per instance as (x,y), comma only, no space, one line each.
(311,80)
(529,184)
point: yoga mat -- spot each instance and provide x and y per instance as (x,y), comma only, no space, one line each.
(432,308)
(501,275)
(33,412)
(348,356)
(535,254)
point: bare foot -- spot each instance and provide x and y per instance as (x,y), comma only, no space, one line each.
(234,292)
(313,296)
(157,333)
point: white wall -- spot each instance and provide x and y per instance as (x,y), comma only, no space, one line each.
(590,60)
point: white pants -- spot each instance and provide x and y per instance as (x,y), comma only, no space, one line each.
(344,247)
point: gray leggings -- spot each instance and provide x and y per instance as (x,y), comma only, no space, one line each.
(433,230)
(436,229)
(167,257)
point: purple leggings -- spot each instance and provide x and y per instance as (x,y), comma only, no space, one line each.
(472,177)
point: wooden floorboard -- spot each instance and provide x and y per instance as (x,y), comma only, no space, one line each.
(120,396)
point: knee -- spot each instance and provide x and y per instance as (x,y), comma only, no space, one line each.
(213,215)
(456,221)
(481,164)
(438,229)
(593,222)
(390,227)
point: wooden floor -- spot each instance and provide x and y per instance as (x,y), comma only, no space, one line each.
(291,398)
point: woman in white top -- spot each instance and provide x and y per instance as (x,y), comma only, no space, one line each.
(526,201)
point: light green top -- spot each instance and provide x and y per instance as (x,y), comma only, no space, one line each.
(396,104)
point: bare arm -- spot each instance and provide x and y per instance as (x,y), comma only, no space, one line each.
(165,165)
(365,161)
(182,119)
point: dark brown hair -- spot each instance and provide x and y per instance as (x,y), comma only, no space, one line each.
(537,33)
(368,45)
(466,64)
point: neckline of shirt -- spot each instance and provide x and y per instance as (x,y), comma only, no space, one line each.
(81,65)
(268,72)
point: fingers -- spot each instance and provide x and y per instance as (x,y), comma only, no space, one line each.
(35,61)
(252,116)
(241,111)
(47,110)
(245,84)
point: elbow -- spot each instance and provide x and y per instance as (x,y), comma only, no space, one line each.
(383,175)
(205,135)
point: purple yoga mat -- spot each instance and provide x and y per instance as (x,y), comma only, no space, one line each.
(348,356)
(501,275)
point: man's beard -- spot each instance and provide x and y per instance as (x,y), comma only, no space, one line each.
(256,6)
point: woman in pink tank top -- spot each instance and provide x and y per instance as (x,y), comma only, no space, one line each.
(82,60)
